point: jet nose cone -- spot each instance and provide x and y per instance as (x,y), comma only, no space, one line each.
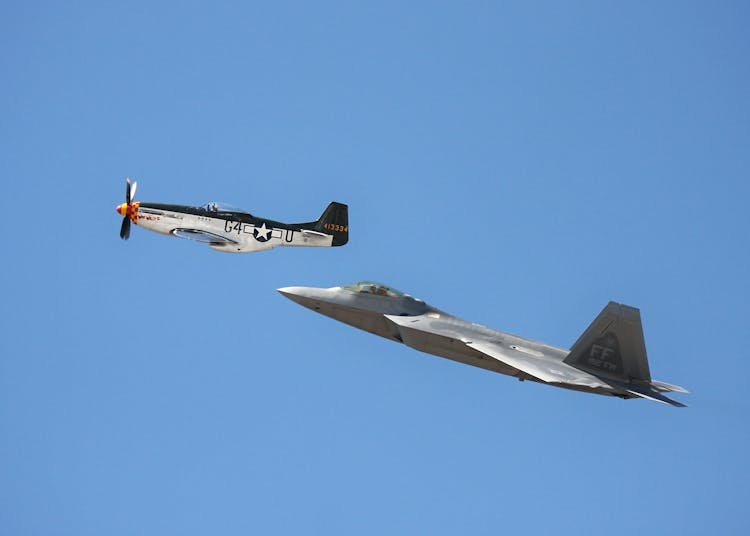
(291,291)
(303,295)
(296,294)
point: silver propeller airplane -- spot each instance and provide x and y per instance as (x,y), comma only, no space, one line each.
(231,229)
(609,358)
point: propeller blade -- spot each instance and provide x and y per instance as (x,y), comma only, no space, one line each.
(125,228)
(133,189)
(127,191)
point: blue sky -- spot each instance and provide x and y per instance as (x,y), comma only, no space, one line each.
(516,164)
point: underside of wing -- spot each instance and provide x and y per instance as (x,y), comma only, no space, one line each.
(544,369)
(202,236)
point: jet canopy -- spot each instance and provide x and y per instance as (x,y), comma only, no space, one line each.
(218,206)
(372,287)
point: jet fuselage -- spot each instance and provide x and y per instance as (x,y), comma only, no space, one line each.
(609,358)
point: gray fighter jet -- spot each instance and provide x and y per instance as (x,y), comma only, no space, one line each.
(608,359)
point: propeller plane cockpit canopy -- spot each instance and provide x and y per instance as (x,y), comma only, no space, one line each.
(227,228)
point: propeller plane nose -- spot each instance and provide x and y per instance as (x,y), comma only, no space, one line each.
(122,209)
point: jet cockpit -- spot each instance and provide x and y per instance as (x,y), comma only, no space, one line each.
(373,287)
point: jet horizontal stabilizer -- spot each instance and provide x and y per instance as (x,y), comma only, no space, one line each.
(668,387)
(650,394)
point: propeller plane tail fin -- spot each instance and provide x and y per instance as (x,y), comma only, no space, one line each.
(335,221)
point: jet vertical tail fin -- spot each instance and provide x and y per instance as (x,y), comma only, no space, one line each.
(612,347)
(335,221)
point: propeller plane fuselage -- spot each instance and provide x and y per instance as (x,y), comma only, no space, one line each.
(233,230)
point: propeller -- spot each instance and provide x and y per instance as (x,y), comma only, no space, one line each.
(128,209)
(125,228)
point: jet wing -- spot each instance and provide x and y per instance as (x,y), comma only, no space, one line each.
(546,369)
(531,362)
(668,387)
(650,394)
(202,236)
